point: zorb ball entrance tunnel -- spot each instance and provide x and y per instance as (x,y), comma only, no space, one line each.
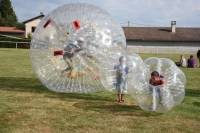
(75,46)
(75,49)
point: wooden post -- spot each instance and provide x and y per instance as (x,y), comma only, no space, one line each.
(16,44)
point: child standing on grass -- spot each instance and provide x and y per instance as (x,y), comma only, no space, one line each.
(156,83)
(121,78)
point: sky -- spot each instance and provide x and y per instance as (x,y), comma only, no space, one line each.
(138,12)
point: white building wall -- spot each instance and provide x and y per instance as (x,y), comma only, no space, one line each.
(29,25)
(163,47)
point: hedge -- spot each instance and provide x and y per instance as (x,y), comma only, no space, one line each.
(13,45)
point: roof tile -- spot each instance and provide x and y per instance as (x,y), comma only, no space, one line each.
(11,30)
(162,34)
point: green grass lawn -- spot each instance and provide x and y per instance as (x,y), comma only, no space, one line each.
(27,106)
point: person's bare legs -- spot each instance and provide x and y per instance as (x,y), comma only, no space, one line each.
(119,97)
(122,95)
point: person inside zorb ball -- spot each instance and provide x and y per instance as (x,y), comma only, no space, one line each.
(160,86)
(74,48)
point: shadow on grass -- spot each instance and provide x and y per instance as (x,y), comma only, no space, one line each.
(98,96)
(34,85)
(192,93)
(196,104)
(114,108)
(21,84)
(99,102)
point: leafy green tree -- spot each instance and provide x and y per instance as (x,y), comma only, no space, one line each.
(0,10)
(7,14)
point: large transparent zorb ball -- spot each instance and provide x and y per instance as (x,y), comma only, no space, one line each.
(164,97)
(75,47)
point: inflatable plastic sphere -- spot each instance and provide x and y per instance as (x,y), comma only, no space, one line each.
(75,47)
(127,73)
(137,76)
(160,98)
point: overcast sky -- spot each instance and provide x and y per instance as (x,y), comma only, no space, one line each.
(138,12)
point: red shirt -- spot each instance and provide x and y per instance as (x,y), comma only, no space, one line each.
(156,82)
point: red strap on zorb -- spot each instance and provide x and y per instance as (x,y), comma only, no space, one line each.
(57,53)
(47,23)
(76,24)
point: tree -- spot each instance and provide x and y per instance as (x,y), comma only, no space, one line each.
(7,14)
(0,9)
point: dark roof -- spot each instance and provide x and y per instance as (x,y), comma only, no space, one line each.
(6,29)
(162,34)
(40,16)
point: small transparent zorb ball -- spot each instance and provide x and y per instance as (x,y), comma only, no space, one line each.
(75,47)
(160,98)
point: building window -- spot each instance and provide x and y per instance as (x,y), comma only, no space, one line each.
(33,29)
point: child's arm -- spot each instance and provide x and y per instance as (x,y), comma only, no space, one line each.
(162,82)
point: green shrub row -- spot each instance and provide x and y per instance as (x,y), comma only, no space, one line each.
(14,39)
(13,45)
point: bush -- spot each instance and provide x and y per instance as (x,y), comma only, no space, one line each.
(29,36)
(13,45)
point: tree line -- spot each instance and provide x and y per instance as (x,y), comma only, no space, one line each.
(8,16)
